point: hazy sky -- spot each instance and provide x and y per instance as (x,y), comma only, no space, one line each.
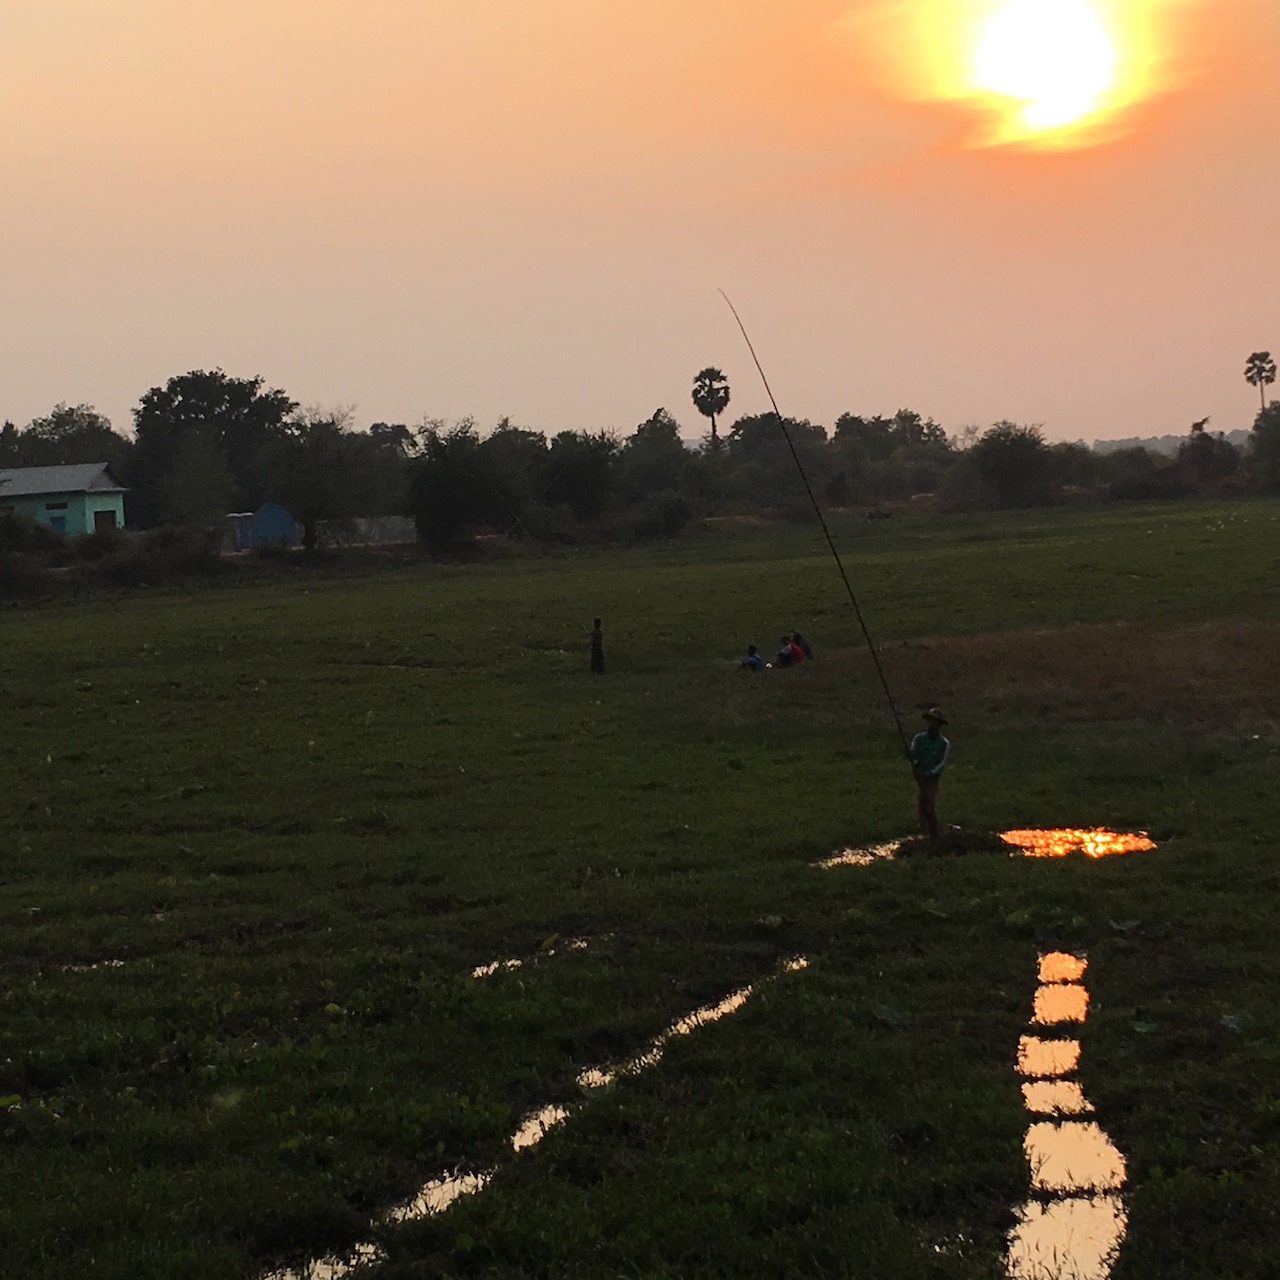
(526,207)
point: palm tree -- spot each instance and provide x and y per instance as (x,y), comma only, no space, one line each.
(1259,370)
(711,395)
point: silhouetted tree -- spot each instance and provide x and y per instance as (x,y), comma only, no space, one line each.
(394,437)
(579,472)
(1264,446)
(239,413)
(517,459)
(760,466)
(198,486)
(321,471)
(1204,458)
(10,447)
(909,430)
(890,457)
(453,485)
(1260,371)
(67,435)
(711,396)
(391,448)
(1075,465)
(654,457)
(1015,465)
(864,440)
(1139,474)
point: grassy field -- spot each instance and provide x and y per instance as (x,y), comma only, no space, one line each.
(254,840)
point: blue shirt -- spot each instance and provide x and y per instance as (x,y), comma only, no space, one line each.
(929,754)
(754,661)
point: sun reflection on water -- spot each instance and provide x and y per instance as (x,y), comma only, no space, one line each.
(1067,1002)
(1095,843)
(1077,1233)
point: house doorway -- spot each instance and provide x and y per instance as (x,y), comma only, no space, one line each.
(103,520)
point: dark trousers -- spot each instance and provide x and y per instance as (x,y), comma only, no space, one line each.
(927,804)
(597,661)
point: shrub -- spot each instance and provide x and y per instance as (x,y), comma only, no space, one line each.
(164,554)
(964,489)
(278,550)
(22,575)
(22,533)
(100,544)
(1015,464)
(551,524)
(664,515)
(796,509)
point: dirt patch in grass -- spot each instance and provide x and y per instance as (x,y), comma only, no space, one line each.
(1211,677)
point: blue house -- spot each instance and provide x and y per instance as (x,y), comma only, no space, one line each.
(83,498)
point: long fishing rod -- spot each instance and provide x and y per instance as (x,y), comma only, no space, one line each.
(822,520)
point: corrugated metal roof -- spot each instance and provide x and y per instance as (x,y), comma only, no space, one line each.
(83,477)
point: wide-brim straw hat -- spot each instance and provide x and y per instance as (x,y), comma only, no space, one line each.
(935,715)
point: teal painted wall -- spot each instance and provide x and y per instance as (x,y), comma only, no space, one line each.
(95,502)
(78,516)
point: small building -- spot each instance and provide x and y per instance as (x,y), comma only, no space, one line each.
(270,526)
(85,497)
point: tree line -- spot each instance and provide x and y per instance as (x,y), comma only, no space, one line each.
(205,444)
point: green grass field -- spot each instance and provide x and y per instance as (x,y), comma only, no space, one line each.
(254,839)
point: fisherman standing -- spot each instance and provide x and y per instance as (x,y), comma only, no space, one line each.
(928,754)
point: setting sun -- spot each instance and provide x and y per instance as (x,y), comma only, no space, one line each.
(1029,74)
(1053,58)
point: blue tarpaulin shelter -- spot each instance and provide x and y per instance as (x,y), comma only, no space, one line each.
(270,526)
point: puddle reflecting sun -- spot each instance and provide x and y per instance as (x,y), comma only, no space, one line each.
(1093,844)
(1076,1233)
(1065,1003)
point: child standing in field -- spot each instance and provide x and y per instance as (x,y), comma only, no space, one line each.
(928,755)
(597,648)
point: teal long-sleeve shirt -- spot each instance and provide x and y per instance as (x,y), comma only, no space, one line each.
(929,754)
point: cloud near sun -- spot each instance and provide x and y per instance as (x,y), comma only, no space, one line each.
(1036,74)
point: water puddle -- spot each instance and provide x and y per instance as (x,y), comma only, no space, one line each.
(437,1195)
(1075,1229)
(1073,1157)
(1066,1003)
(1047,1058)
(860,857)
(499,966)
(1055,1098)
(1058,966)
(1093,844)
(537,1126)
(599,1077)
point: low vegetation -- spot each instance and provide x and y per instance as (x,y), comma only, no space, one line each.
(256,841)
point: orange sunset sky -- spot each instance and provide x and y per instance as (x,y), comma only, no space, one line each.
(489,207)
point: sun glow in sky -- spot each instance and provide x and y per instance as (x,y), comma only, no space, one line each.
(1037,74)
(1054,57)
(520,209)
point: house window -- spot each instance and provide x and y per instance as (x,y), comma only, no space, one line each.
(55,506)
